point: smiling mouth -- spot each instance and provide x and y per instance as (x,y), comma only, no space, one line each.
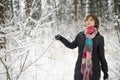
(88,24)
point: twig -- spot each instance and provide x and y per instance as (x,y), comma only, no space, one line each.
(45,50)
(23,66)
(40,55)
(8,75)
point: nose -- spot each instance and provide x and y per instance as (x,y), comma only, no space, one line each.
(87,22)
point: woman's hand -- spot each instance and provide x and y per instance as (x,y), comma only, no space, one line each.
(57,37)
(105,77)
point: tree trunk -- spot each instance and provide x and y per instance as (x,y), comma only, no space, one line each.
(100,8)
(116,7)
(76,3)
(2,12)
(81,8)
(27,8)
(87,7)
(2,23)
(119,7)
(12,8)
(97,7)
(18,4)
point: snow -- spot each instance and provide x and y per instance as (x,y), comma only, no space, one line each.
(32,53)
(45,58)
(112,54)
(57,62)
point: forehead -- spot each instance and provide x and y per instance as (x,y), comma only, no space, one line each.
(90,17)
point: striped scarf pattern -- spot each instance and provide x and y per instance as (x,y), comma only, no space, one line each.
(86,66)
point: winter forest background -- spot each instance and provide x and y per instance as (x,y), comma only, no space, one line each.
(28,50)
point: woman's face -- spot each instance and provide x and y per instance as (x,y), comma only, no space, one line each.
(90,22)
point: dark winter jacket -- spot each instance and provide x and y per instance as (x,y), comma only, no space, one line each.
(98,57)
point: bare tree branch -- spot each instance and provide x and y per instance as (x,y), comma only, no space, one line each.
(21,71)
(40,55)
(7,71)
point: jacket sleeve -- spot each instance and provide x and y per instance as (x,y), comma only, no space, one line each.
(102,59)
(69,44)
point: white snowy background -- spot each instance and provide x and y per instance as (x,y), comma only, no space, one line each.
(31,51)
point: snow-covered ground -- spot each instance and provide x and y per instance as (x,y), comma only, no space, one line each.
(64,59)
(58,62)
(33,54)
(38,56)
(48,59)
(112,54)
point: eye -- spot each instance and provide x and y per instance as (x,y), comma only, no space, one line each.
(92,20)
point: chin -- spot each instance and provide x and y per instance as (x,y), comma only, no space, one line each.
(90,25)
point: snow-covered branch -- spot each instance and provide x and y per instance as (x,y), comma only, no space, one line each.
(7,69)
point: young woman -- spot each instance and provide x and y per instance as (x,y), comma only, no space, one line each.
(91,58)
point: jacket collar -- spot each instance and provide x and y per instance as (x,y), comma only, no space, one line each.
(98,33)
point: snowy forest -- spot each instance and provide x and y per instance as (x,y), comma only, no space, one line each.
(28,50)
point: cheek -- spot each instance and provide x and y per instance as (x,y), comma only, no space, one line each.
(93,23)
